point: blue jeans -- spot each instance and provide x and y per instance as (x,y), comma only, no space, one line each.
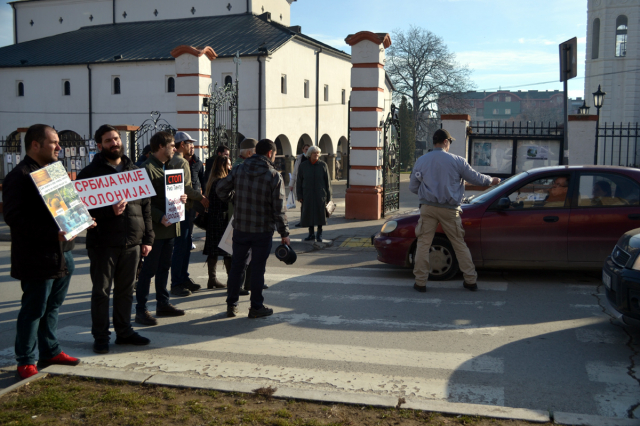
(260,245)
(182,250)
(38,317)
(157,264)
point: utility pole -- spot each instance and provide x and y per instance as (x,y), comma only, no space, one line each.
(568,70)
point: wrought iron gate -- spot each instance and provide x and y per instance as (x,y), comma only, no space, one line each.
(222,106)
(149,127)
(391,163)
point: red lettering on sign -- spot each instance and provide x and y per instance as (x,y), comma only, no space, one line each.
(93,200)
(78,188)
(112,181)
(122,179)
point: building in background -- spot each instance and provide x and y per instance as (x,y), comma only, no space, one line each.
(79,64)
(613,58)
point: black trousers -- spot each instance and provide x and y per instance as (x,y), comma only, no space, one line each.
(117,266)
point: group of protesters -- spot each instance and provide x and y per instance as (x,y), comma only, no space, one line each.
(250,190)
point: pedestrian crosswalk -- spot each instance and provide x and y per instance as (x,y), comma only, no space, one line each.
(365,330)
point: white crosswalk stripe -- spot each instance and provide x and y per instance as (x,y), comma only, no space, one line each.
(620,392)
(204,359)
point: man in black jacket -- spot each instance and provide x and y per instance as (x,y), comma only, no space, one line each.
(123,233)
(40,256)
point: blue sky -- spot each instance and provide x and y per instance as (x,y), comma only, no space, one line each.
(509,44)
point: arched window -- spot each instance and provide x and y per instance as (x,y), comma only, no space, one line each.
(20,88)
(595,40)
(621,36)
(171,85)
(228,80)
(116,85)
(67,88)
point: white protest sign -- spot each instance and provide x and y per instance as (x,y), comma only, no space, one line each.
(174,184)
(110,189)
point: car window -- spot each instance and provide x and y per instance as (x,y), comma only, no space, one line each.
(607,190)
(545,193)
(489,193)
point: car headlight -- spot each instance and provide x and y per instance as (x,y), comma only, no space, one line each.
(636,264)
(389,227)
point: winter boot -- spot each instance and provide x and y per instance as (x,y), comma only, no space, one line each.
(212,262)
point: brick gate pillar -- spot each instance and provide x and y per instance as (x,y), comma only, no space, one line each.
(193,78)
(364,195)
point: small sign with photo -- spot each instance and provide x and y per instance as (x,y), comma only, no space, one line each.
(83,151)
(73,151)
(9,159)
(67,152)
(17,158)
(92,145)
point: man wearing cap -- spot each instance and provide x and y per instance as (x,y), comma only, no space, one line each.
(181,284)
(247,149)
(438,178)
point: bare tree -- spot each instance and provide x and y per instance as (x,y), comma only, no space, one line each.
(422,69)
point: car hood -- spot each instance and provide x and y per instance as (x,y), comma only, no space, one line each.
(630,241)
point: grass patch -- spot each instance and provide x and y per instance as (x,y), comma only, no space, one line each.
(78,401)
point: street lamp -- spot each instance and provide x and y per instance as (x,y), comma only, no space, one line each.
(584,109)
(598,101)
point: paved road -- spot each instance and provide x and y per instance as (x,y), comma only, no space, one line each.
(532,339)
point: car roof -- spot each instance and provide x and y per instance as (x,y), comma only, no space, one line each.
(625,170)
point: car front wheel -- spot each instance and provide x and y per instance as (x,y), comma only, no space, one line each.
(442,259)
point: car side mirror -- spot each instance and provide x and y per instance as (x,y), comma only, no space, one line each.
(503,203)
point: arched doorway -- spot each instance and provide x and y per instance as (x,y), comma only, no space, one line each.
(304,140)
(283,157)
(75,151)
(326,146)
(342,158)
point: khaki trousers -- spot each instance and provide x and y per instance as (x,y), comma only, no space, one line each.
(452,226)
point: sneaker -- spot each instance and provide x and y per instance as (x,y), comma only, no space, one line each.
(420,288)
(60,359)
(244,292)
(168,311)
(264,286)
(101,347)
(190,285)
(298,225)
(262,312)
(193,246)
(134,339)
(26,371)
(145,319)
(180,291)
(471,287)
(232,311)
(311,237)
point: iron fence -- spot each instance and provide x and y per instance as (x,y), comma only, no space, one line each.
(618,144)
(76,153)
(11,154)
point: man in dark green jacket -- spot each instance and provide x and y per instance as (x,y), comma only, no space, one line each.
(158,262)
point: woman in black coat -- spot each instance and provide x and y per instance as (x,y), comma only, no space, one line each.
(313,188)
(219,213)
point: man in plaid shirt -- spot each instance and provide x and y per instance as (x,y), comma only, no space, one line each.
(259,203)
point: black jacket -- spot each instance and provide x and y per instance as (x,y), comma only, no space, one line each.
(132,228)
(197,173)
(36,253)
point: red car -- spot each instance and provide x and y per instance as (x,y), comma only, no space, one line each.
(551,217)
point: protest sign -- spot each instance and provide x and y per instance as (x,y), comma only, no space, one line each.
(110,189)
(174,184)
(61,199)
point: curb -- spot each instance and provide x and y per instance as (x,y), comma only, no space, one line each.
(22,383)
(491,411)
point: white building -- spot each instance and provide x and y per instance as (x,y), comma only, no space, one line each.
(613,58)
(77,64)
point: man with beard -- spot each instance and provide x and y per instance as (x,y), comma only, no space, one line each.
(41,256)
(123,233)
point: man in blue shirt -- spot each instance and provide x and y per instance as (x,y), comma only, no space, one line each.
(438,178)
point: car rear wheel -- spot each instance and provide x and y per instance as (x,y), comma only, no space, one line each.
(442,259)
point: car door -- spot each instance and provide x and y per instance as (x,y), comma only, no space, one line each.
(605,206)
(533,227)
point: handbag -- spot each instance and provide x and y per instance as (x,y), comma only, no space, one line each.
(202,220)
(330,208)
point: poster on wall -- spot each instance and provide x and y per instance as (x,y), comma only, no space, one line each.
(482,154)
(61,199)
(174,184)
(537,152)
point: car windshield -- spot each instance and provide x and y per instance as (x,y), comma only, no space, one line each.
(489,193)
